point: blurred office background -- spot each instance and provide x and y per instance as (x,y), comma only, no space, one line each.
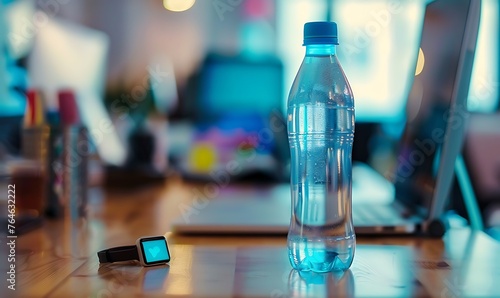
(199,87)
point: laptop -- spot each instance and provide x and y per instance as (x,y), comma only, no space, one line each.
(413,198)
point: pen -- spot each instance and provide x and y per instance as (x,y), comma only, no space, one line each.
(34,115)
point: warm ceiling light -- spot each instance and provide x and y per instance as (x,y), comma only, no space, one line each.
(178,5)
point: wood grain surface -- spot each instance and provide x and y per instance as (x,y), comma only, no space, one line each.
(59,259)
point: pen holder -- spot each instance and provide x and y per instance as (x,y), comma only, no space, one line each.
(29,182)
(35,143)
(69,168)
(32,179)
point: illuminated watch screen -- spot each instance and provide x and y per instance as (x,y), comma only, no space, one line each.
(155,250)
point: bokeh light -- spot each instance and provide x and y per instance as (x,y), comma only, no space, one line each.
(178,5)
(420,62)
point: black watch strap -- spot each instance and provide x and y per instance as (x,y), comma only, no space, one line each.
(118,254)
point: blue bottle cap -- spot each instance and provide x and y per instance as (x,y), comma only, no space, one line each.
(320,33)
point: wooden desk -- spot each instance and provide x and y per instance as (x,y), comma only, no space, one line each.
(60,260)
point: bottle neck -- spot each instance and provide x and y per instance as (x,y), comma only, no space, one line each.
(321,50)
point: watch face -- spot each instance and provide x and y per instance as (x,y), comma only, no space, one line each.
(154,250)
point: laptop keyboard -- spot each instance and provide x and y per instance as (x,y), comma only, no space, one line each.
(368,214)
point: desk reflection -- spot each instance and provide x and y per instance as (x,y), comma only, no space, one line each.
(144,279)
(310,284)
(153,278)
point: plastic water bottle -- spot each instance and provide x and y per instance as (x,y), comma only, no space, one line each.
(321,130)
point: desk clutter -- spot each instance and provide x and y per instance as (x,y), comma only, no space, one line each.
(51,176)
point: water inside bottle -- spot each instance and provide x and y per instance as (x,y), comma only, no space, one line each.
(321,255)
(319,241)
(321,236)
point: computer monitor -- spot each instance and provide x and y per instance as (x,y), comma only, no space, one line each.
(236,101)
(239,85)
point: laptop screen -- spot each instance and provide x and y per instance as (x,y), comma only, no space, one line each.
(430,103)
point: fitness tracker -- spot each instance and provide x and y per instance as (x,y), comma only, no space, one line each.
(149,251)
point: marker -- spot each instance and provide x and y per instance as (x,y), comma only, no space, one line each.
(39,114)
(29,115)
(68,109)
(34,115)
